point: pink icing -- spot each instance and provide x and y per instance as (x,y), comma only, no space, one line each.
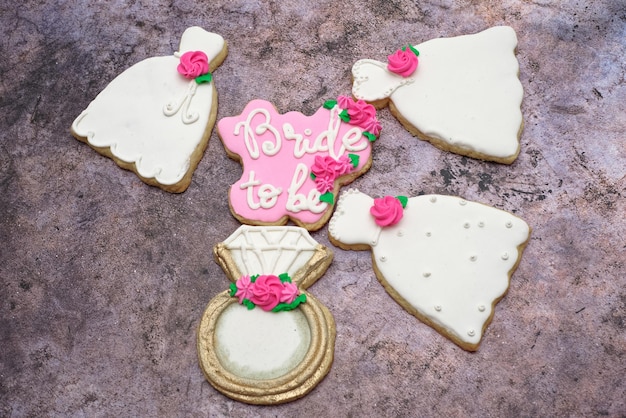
(289,293)
(327,169)
(324,166)
(372,126)
(362,114)
(402,62)
(244,290)
(278,151)
(387,211)
(266,292)
(325,184)
(344,102)
(193,64)
(344,165)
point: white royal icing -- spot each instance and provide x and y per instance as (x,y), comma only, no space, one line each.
(448,258)
(465,91)
(261,345)
(270,249)
(151,115)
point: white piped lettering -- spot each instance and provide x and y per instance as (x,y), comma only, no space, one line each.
(267,194)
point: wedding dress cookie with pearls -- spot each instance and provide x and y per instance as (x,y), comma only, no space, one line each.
(267,340)
(462,94)
(444,259)
(156,117)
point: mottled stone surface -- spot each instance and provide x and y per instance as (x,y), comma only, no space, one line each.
(103,279)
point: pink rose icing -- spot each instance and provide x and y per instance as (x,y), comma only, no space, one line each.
(344,102)
(278,153)
(324,166)
(289,293)
(387,211)
(193,64)
(402,62)
(361,114)
(243,288)
(325,184)
(344,165)
(266,292)
(372,126)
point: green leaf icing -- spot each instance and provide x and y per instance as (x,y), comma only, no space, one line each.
(354,159)
(344,116)
(204,78)
(403,199)
(328,198)
(233,289)
(329,104)
(284,278)
(412,49)
(290,306)
(370,136)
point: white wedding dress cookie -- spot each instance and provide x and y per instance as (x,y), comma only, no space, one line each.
(464,96)
(447,261)
(154,120)
(267,340)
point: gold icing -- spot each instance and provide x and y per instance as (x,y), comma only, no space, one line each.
(293,385)
(304,277)
(298,381)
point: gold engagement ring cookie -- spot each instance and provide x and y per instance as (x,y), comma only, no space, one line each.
(267,340)
(444,259)
(156,117)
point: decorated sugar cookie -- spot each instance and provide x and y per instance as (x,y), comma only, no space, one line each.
(446,260)
(462,94)
(156,117)
(266,340)
(293,164)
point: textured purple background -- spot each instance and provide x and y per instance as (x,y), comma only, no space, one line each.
(103,279)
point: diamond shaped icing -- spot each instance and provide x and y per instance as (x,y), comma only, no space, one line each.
(273,250)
